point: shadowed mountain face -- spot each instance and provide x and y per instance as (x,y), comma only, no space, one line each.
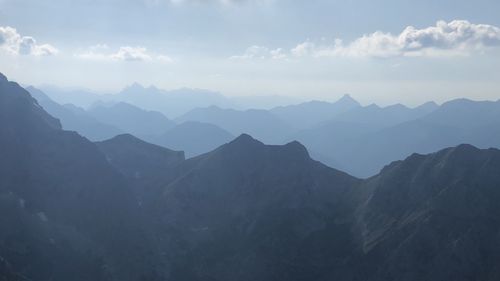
(275,213)
(75,210)
(248,211)
(434,217)
(67,214)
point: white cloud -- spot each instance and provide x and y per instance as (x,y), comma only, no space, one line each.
(13,43)
(457,37)
(131,54)
(303,49)
(125,53)
(259,52)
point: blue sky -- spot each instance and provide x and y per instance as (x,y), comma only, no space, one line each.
(378,51)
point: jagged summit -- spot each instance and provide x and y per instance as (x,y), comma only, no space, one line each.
(245,141)
(247,149)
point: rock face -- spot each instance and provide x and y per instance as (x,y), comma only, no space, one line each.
(66,213)
(75,210)
(434,217)
(248,211)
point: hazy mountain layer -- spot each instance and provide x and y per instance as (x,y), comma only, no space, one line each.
(131,119)
(194,138)
(261,124)
(75,119)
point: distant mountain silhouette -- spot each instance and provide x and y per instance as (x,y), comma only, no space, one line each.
(466,114)
(79,97)
(266,102)
(74,118)
(194,138)
(380,117)
(362,150)
(131,119)
(362,140)
(261,124)
(310,114)
(171,103)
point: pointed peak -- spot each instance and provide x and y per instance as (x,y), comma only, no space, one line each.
(245,139)
(347,99)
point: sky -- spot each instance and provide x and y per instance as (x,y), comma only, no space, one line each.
(391,51)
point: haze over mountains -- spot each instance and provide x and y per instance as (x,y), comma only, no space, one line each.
(124,209)
(172,103)
(344,134)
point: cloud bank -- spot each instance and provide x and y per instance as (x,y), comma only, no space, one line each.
(13,43)
(455,38)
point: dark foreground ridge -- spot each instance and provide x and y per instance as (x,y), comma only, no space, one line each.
(124,209)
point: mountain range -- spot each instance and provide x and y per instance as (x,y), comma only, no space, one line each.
(343,134)
(172,103)
(124,209)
